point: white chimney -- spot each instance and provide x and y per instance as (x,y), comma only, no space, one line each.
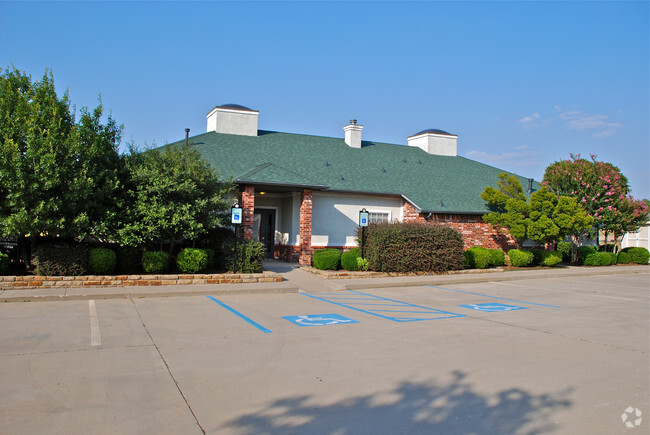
(435,142)
(353,134)
(233,119)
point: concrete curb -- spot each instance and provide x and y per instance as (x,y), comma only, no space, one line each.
(88,293)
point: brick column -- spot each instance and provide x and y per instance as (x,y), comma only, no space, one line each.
(305,228)
(248,205)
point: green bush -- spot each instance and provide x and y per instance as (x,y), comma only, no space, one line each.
(583,252)
(101,261)
(551,258)
(624,258)
(128,259)
(412,247)
(192,260)
(61,259)
(327,259)
(155,261)
(639,255)
(520,258)
(477,257)
(607,258)
(4,263)
(211,258)
(497,257)
(592,259)
(349,259)
(362,264)
(250,255)
(564,248)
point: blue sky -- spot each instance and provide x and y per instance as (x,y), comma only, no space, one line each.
(522,84)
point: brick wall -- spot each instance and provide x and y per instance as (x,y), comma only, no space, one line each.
(305,227)
(474,230)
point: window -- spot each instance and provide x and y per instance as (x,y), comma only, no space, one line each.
(376,217)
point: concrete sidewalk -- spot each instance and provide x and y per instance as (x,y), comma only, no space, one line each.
(298,279)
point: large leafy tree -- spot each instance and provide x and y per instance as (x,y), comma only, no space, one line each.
(547,218)
(56,174)
(602,190)
(173,194)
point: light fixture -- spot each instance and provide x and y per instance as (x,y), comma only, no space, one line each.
(262,193)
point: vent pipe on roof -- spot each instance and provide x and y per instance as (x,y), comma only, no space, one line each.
(530,185)
(187,136)
(353,134)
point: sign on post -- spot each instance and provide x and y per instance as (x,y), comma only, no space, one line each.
(363,218)
(237,214)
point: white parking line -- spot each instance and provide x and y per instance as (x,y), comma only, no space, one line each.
(95,338)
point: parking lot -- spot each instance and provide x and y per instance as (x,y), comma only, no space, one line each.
(555,355)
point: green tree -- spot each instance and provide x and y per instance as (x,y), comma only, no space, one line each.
(547,218)
(56,175)
(173,194)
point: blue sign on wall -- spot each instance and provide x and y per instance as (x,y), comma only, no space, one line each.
(319,319)
(493,307)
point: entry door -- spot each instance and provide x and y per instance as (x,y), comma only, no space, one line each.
(266,231)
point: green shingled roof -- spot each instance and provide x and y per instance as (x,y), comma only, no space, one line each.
(330,164)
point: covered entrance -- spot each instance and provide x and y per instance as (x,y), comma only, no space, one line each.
(264,229)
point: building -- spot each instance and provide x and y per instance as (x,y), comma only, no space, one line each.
(302,192)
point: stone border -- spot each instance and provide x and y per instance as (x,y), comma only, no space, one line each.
(36,282)
(346,274)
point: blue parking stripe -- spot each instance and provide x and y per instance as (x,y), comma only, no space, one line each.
(237,313)
(493,297)
(349,301)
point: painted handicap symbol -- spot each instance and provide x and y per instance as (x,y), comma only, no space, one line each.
(319,319)
(492,307)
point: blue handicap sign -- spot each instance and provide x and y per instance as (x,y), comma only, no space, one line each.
(319,319)
(493,307)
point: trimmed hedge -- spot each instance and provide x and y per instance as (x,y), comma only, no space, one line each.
(155,261)
(551,258)
(639,255)
(477,257)
(250,255)
(584,251)
(600,259)
(192,260)
(4,263)
(519,258)
(412,247)
(349,259)
(101,261)
(61,259)
(623,258)
(327,259)
(497,257)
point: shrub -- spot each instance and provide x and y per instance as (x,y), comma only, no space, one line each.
(362,264)
(192,260)
(477,257)
(592,259)
(551,258)
(211,258)
(155,261)
(327,259)
(624,258)
(101,261)
(128,259)
(4,263)
(564,248)
(412,247)
(639,255)
(61,259)
(520,258)
(583,252)
(250,255)
(607,258)
(349,259)
(538,256)
(497,257)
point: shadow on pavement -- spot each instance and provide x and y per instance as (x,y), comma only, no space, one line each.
(432,407)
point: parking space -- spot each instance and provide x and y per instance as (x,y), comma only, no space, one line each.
(561,355)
